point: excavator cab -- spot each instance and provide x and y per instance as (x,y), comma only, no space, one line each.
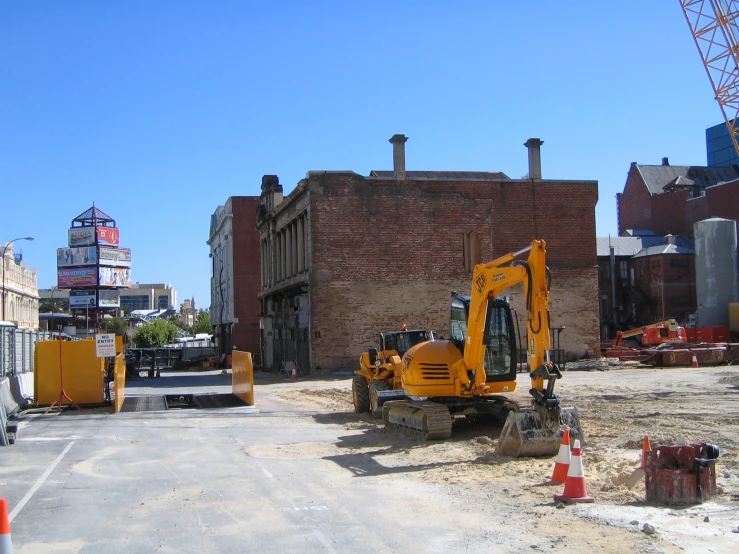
(500,360)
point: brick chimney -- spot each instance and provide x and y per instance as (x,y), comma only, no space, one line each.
(534,146)
(399,156)
(665,161)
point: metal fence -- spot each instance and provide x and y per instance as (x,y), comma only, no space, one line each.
(16,350)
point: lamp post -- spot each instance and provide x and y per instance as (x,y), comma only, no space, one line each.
(4,249)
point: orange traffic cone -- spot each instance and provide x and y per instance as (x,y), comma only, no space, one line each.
(6,547)
(295,372)
(695,361)
(575,488)
(646,447)
(562,465)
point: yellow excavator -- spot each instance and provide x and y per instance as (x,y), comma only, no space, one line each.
(470,373)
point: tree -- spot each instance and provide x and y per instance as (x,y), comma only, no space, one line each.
(115,325)
(155,334)
(202,323)
(59,306)
(181,324)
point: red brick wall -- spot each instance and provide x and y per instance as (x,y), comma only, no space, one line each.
(719,201)
(246,273)
(669,214)
(386,253)
(634,205)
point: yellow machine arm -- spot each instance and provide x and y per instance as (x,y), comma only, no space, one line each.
(489,280)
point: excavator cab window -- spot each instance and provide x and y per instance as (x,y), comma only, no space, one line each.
(499,340)
(458,319)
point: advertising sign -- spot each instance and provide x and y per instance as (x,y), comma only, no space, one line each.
(81,236)
(82,298)
(82,255)
(79,277)
(115,277)
(85,236)
(119,257)
(109,299)
(104,345)
(108,236)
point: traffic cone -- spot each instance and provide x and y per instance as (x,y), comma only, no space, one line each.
(295,372)
(562,465)
(646,447)
(6,547)
(695,361)
(575,488)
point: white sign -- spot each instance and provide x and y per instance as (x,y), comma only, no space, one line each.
(105,345)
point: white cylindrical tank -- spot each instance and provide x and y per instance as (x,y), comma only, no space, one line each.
(716,279)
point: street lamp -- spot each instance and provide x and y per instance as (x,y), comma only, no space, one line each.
(4,249)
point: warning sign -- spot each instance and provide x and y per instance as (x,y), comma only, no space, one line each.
(105,345)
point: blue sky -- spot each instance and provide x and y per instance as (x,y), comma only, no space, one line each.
(159,111)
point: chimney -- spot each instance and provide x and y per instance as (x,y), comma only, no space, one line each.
(399,156)
(534,145)
(665,161)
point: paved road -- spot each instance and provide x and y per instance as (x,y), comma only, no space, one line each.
(226,481)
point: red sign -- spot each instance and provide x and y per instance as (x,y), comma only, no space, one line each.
(108,236)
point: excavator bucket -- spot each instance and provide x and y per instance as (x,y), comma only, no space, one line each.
(537,431)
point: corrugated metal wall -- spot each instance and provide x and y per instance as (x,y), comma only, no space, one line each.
(16,350)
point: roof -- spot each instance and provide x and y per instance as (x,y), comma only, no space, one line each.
(622,246)
(443,175)
(681,245)
(93,217)
(657,177)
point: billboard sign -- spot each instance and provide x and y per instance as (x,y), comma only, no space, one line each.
(77,277)
(108,236)
(114,277)
(81,236)
(85,236)
(81,255)
(109,299)
(82,298)
(119,257)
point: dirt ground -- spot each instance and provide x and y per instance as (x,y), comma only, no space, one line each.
(617,406)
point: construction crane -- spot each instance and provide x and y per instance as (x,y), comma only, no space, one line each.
(714,27)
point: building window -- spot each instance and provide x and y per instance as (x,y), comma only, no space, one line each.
(605,271)
(623,267)
(678,262)
(656,263)
(471,251)
(138,302)
(162,302)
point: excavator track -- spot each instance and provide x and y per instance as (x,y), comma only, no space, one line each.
(430,420)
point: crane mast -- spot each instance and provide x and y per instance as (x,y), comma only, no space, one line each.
(713,24)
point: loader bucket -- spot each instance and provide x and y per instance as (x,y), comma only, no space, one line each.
(537,431)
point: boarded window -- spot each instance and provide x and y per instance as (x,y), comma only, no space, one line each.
(471,251)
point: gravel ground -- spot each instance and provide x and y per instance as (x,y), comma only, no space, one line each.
(618,405)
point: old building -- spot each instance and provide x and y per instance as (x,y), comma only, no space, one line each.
(346,256)
(19,290)
(669,199)
(235,270)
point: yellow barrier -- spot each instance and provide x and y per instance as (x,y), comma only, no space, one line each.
(119,379)
(242,377)
(84,372)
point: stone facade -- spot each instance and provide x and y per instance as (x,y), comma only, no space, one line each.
(20,292)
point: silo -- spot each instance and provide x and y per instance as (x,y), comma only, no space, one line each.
(716,279)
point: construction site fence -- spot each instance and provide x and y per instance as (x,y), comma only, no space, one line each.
(17,350)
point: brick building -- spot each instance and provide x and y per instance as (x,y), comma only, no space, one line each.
(669,199)
(235,269)
(346,256)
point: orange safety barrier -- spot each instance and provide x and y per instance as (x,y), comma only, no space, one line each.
(242,376)
(119,382)
(84,372)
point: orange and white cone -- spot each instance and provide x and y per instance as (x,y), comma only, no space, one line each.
(562,465)
(695,361)
(6,547)
(295,372)
(646,447)
(575,488)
